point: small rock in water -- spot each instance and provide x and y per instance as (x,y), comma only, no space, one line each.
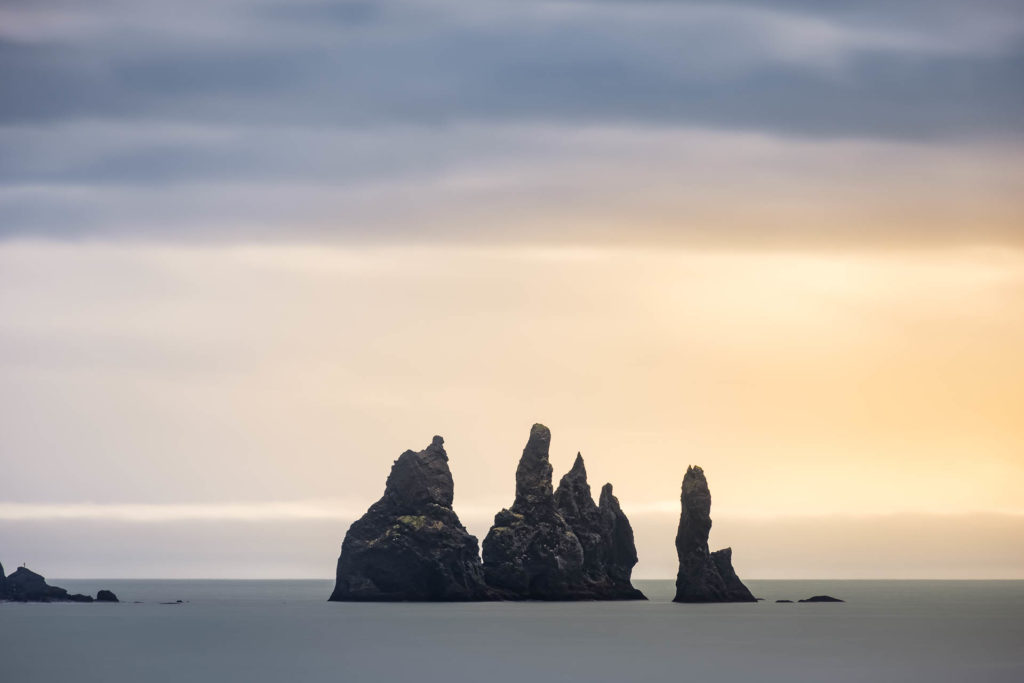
(783,601)
(106,596)
(822,598)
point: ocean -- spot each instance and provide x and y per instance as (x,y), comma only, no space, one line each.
(284,631)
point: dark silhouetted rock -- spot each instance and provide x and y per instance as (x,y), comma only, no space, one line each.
(106,596)
(559,545)
(822,598)
(604,533)
(24,585)
(531,552)
(703,576)
(790,601)
(410,545)
(3,583)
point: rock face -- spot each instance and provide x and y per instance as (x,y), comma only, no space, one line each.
(24,585)
(559,545)
(410,544)
(3,583)
(703,576)
(106,596)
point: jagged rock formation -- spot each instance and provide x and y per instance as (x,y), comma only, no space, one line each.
(703,576)
(604,532)
(24,585)
(559,546)
(410,544)
(3,583)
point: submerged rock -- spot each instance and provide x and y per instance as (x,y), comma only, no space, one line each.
(106,596)
(24,585)
(703,576)
(559,545)
(821,598)
(790,601)
(410,544)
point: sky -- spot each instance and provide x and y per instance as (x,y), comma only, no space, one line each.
(252,251)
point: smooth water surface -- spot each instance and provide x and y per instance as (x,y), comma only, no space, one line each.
(286,631)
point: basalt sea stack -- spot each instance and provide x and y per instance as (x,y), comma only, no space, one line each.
(410,544)
(606,536)
(559,546)
(703,576)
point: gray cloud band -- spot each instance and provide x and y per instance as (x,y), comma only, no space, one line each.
(353,94)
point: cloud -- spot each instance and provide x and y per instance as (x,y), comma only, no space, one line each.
(487,183)
(334,64)
(312,120)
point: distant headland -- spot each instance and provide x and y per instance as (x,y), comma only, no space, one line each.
(24,585)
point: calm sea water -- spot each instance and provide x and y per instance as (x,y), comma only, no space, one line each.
(285,631)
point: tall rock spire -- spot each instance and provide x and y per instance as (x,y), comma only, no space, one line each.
(703,576)
(533,476)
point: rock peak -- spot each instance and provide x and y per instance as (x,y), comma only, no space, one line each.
(419,479)
(606,495)
(533,476)
(703,576)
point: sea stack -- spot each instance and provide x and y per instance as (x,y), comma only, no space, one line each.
(410,544)
(703,576)
(559,545)
(3,583)
(604,532)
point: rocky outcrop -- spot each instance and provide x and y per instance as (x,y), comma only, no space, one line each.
(3,583)
(821,598)
(559,545)
(703,576)
(24,585)
(410,544)
(106,596)
(604,533)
